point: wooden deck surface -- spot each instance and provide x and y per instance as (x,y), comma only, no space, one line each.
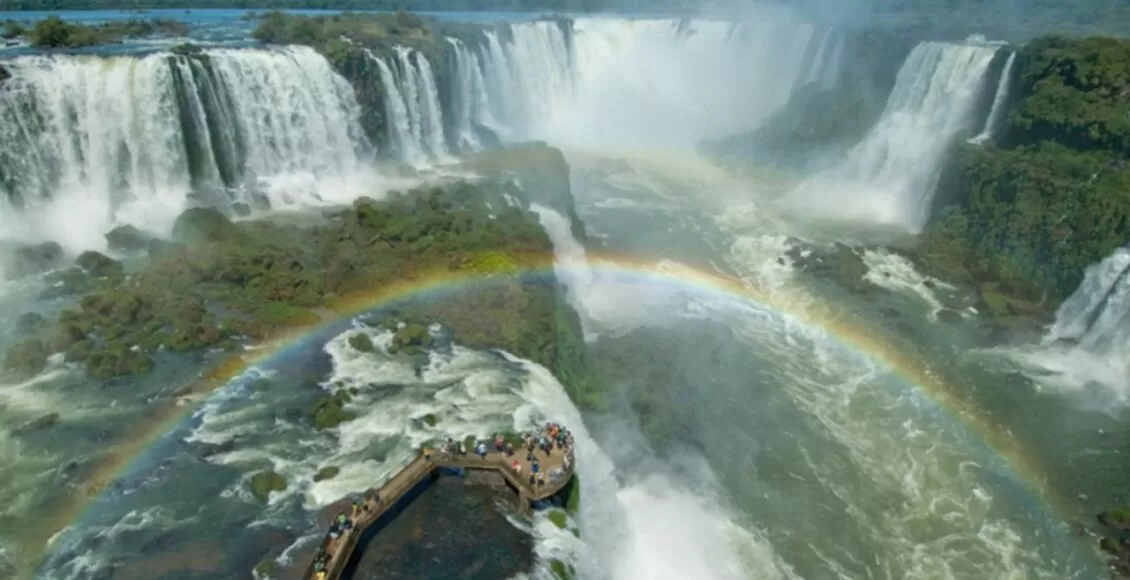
(552,465)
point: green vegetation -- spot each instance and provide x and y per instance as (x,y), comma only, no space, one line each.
(329,412)
(558,517)
(361,342)
(573,502)
(264,482)
(328,472)
(430,420)
(224,283)
(54,32)
(1024,219)
(265,569)
(13,29)
(561,570)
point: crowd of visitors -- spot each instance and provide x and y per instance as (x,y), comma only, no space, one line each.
(343,525)
(554,438)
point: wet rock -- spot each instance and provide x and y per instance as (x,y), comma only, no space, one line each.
(45,422)
(240,209)
(330,411)
(158,247)
(4,74)
(361,342)
(32,259)
(839,264)
(950,316)
(264,482)
(1118,520)
(328,472)
(201,224)
(98,265)
(67,282)
(30,323)
(209,449)
(410,340)
(27,358)
(127,239)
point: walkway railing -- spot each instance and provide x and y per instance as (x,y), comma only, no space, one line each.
(340,549)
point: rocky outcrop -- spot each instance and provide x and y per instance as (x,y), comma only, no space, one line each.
(21,261)
(1020,221)
(265,482)
(127,239)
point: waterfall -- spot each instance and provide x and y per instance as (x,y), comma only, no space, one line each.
(889,177)
(412,106)
(87,142)
(631,83)
(1086,351)
(998,103)
(1097,316)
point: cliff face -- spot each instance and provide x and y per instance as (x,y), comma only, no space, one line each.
(1025,216)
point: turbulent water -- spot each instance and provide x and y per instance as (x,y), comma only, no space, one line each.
(775,447)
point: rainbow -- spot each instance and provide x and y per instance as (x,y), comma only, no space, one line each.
(436,283)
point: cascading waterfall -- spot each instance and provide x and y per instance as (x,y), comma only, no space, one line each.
(824,66)
(890,175)
(470,98)
(1086,351)
(1097,316)
(90,141)
(999,100)
(412,105)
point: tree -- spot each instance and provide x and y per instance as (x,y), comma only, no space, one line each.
(51,32)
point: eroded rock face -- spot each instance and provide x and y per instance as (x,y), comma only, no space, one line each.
(127,239)
(31,259)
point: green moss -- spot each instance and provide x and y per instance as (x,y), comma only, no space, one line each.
(430,420)
(266,569)
(328,472)
(27,358)
(361,342)
(561,570)
(558,517)
(410,340)
(330,412)
(264,482)
(573,502)
(492,264)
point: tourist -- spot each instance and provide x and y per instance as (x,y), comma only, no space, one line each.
(498,443)
(541,479)
(509,449)
(482,450)
(533,480)
(535,466)
(516,466)
(320,575)
(356,508)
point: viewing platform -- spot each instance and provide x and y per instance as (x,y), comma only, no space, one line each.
(556,468)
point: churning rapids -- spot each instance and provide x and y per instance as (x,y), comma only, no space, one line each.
(804,450)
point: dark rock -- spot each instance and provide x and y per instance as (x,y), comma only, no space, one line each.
(67,282)
(361,342)
(127,239)
(98,265)
(32,259)
(264,482)
(157,247)
(30,323)
(410,340)
(328,472)
(45,422)
(330,411)
(949,316)
(210,449)
(4,74)
(27,358)
(240,209)
(1118,520)
(200,224)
